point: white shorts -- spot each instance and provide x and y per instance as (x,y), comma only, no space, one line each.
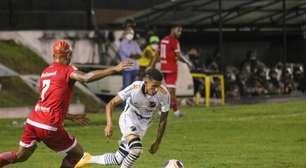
(130,123)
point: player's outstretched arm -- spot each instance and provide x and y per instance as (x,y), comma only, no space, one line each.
(99,74)
(160,132)
(109,115)
(180,57)
(80,119)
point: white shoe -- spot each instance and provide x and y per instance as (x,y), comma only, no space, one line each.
(178,114)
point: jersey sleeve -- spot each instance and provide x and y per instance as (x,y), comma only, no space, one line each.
(176,46)
(123,51)
(165,102)
(70,70)
(126,92)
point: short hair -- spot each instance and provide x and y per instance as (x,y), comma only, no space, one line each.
(154,74)
(175,26)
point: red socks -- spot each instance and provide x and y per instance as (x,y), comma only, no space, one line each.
(7,158)
(173,103)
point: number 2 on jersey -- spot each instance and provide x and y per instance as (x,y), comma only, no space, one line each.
(46,85)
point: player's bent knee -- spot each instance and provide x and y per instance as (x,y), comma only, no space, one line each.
(136,152)
(135,146)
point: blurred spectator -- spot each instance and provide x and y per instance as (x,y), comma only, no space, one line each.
(262,80)
(213,67)
(279,69)
(298,76)
(216,88)
(150,55)
(130,50)
(111,50)
(251,63)
(194,57)
(275,85)
(231,82)
(198,67)
(141,41)
(212,63)
(242,83)
(287,80)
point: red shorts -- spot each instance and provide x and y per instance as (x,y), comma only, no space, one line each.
(170,79)
(59,140)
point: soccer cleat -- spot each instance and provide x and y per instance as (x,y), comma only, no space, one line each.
(82,163)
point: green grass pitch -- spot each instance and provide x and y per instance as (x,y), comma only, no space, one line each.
(246,136)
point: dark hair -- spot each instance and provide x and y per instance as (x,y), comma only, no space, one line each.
(154,74)
(175,26)
(129,23)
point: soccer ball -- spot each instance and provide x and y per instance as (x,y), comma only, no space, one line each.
(173,164)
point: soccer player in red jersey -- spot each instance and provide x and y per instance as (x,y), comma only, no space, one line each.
(170,53)
(45,122)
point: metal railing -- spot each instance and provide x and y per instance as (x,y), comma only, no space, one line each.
(208,78)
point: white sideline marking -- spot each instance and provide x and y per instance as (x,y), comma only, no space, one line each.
(243,118)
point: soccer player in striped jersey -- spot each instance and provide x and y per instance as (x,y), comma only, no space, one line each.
(143,98)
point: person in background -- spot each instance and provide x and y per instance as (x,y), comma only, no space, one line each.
(150,56)
(275,85)
(198,67)
(194,57)
(251,63)
(231,82)
(170,53)
(298,76)
(211,62)
(287,80)
(129,50)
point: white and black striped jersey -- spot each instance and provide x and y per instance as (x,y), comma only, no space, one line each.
(145,105)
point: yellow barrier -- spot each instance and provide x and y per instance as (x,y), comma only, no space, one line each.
(207,78)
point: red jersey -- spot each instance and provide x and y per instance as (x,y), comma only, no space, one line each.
(55,92)
(169,46)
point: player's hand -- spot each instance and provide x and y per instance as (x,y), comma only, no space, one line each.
(80,119)
(124,65)
(148,68)
(154,148)
(108,131)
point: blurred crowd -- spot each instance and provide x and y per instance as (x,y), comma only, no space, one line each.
(251,78)
(254,78)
